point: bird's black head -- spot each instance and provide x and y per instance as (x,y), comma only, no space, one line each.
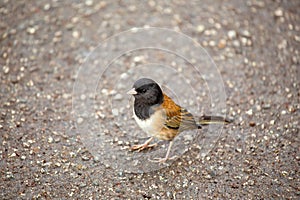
(147,92)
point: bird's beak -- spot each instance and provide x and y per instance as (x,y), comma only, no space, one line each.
(132,91)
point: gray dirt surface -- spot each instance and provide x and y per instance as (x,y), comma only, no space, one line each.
(255,44)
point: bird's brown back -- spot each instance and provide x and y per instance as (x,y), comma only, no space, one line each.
(177,117)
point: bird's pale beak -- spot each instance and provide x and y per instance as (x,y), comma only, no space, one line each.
(132,91)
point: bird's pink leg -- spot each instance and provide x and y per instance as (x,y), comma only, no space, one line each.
(163,160)
(140,147)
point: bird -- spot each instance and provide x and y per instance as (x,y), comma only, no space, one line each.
(160,117)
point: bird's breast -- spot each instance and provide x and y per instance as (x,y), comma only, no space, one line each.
(155,126)
(152,124)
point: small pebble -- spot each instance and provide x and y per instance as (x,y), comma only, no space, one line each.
(79,120)
(104,91)
(232,34)
(258,107)
(89,2)
(137,59)
(151,3)
(76,34)
(9,175)
(222,44)
(266,106)
(249,112)
(26,144)
(244,41)
(112,92)
(31,30)
(212,43)
(47,7)
(50,139)
(252,124)
(251,182)
(96,159)
(291,109)
(132,8)
(239,150)
(82,185)
(278,12)
(124,76)
(57,164)
(200,28)
(13,155)
(96,183)
(284,173)
(82,97)
(246,33)
(115,111)
(85,158)
(236,43)
(5,69)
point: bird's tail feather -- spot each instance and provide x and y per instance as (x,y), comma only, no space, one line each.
(206,120)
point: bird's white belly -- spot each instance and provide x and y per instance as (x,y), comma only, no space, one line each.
(153,125)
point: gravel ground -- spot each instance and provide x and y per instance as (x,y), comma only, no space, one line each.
(254,43)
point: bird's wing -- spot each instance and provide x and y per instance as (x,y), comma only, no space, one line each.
(177,117)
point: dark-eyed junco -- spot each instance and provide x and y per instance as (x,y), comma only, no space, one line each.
(159,116)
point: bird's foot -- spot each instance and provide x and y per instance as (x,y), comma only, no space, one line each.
(141,147)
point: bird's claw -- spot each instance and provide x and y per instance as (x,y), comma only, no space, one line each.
(141,147)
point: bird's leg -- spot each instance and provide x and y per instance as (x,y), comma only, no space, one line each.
(163,160)
(140,147)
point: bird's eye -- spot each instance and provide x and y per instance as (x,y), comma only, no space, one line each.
(143,90)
